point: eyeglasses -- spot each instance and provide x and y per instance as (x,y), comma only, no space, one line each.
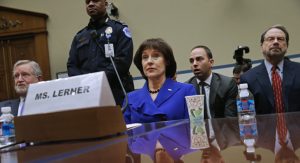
(272,39)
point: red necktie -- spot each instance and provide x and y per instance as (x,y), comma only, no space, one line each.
(281,128)
(277,89)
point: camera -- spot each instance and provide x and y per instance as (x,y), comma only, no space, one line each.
(239,53)
(239,57)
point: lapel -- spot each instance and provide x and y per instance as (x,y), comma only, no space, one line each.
(195,84)
(14,106)
(292,122)
(145,97)
(266,130)
(287,81)
(145,93)
(167,90)
(219,138)
(214,86)
(264,81)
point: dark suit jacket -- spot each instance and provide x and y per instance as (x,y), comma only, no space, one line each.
(14,104)
(266,129)
(259,84)
(223,92)
(226,132)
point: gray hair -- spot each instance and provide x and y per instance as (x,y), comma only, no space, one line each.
(35,66)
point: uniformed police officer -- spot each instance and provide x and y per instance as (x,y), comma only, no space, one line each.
(93,44)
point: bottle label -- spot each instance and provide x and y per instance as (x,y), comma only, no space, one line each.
(248,130)
(245,105)
(6,129)
(1,128)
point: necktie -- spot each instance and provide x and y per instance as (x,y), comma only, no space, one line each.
(277,89)
(22,103)
(22,109)
(281,129)
(202,84)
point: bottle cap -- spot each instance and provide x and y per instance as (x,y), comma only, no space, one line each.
(243,86)
(6,109)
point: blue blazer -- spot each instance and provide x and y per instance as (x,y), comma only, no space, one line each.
(170,138)
(259,84)
(169,104)
(14,104)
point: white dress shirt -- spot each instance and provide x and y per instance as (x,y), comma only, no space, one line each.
(21,106)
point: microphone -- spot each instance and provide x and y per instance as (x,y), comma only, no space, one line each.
(110,53)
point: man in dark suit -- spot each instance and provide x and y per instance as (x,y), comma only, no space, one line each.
(223,133)
(274,43)
(268,139)
(25,72)
(220,90)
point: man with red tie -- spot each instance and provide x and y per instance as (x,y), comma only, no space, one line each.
(275,83)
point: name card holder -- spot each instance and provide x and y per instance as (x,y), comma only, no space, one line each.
(78,124)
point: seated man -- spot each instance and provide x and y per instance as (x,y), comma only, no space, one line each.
(220,90)
(238,70)
(275,83)
(25,72)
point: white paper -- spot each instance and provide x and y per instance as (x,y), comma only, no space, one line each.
(83,91)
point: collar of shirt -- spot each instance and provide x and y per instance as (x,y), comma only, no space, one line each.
(269,68)
(287,140)
(98,23)
(207,81)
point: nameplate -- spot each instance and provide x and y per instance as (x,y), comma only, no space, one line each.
(83,91)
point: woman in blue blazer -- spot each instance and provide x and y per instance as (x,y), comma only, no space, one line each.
(161,98)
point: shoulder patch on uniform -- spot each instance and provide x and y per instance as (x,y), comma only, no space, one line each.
(127,32)
(82,39)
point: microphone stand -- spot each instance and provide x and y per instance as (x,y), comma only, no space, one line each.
(94,35)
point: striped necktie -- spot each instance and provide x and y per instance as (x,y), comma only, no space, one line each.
(281,129)
(277,89)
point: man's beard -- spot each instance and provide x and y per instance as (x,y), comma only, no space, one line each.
(278,55)
(21,90)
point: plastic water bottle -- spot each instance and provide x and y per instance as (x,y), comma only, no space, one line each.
(7,122)
(245,103)
(247,121)
(248,133)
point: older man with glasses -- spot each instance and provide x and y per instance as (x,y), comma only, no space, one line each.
(275,83)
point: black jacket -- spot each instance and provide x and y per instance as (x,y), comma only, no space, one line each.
(222,97)
(87,57)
